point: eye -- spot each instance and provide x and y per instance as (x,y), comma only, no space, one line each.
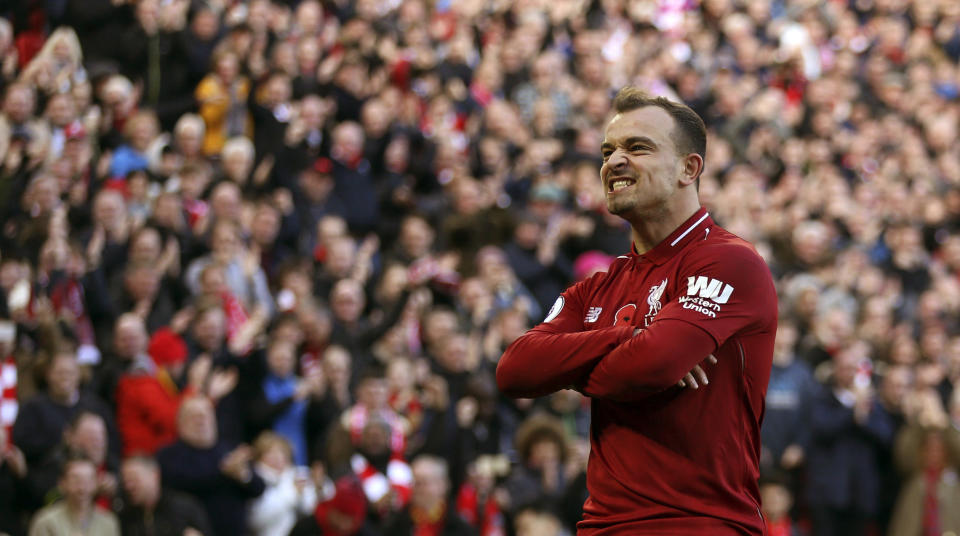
(606,153)
(638,147)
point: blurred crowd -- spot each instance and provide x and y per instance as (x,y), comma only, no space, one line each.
(258,259)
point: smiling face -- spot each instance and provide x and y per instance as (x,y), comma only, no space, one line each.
(641,169)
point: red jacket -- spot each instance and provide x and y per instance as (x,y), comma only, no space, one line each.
(663,460)
(146,412)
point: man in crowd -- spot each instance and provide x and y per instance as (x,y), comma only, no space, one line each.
(199,463)
(152,510)
(76,513)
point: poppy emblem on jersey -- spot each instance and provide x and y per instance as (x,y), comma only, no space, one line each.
(555,310)
(625,313)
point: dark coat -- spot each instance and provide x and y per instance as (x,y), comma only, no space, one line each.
(173,514)
(41,421)
(454,525)
(843,455)
(197,472)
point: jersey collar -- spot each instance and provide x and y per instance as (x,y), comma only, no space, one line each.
(690,230)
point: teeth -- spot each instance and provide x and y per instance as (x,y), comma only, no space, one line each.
(617,185)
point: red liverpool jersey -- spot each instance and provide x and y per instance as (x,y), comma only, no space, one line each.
(664,459)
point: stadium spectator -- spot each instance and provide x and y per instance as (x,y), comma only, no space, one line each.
(86,436)
(149,394)
(429,508)
(849,434)
(150,508)
(289,493)
(76,513)
(219,475)
(832,147)
(13,496)
(43,418)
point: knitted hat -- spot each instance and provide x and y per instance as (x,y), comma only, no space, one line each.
(167,348)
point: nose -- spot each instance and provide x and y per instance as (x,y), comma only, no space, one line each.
(617,161)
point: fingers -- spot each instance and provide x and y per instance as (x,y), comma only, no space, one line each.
(691,381)
(700,375)
(697,376)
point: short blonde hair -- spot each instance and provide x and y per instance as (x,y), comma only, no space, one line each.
(187,121)
(268,440)
(237,144)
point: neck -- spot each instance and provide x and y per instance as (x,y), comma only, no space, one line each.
(78,511)
(65,399)
(649,229)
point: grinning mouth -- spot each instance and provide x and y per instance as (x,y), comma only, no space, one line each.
(619,183)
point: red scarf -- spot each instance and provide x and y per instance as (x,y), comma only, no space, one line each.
(67,295)
(408,406)
(8,395)
(376,485)
(235,313)
(428,523)
(931,504)
(487,516)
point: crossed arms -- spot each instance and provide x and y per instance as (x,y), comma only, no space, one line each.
(610,363)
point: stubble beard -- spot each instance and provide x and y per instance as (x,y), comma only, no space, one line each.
(635,210)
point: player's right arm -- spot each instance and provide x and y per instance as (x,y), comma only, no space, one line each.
(557,353)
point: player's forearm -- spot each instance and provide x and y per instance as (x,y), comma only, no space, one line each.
(654,360)
(541,362)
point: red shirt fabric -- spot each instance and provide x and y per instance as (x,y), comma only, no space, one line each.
(664,459)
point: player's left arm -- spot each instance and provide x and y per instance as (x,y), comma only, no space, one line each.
(729,292)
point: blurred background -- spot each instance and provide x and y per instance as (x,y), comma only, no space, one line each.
(258,259)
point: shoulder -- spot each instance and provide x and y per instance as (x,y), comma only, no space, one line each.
(728,256)
(106,519)
(208,83)
(94,403)
(725,246)
(458,526)
(48,515)
(179,502)
(35,403)
(167,454)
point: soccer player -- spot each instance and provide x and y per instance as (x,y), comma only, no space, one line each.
(672,452)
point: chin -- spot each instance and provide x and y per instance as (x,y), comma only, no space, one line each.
(617,209)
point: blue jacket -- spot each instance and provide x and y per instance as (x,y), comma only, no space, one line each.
(789,401)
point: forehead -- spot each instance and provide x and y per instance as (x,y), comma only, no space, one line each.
(650,121)
(74,467)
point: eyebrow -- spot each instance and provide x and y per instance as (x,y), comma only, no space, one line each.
(629,141)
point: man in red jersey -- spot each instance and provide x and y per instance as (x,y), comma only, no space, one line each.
(668,456)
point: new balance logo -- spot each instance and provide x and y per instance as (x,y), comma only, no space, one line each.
(710,289)
(593,314)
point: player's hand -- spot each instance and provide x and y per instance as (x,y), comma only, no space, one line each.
(697,377)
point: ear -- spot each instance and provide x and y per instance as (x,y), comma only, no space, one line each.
(692,166)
